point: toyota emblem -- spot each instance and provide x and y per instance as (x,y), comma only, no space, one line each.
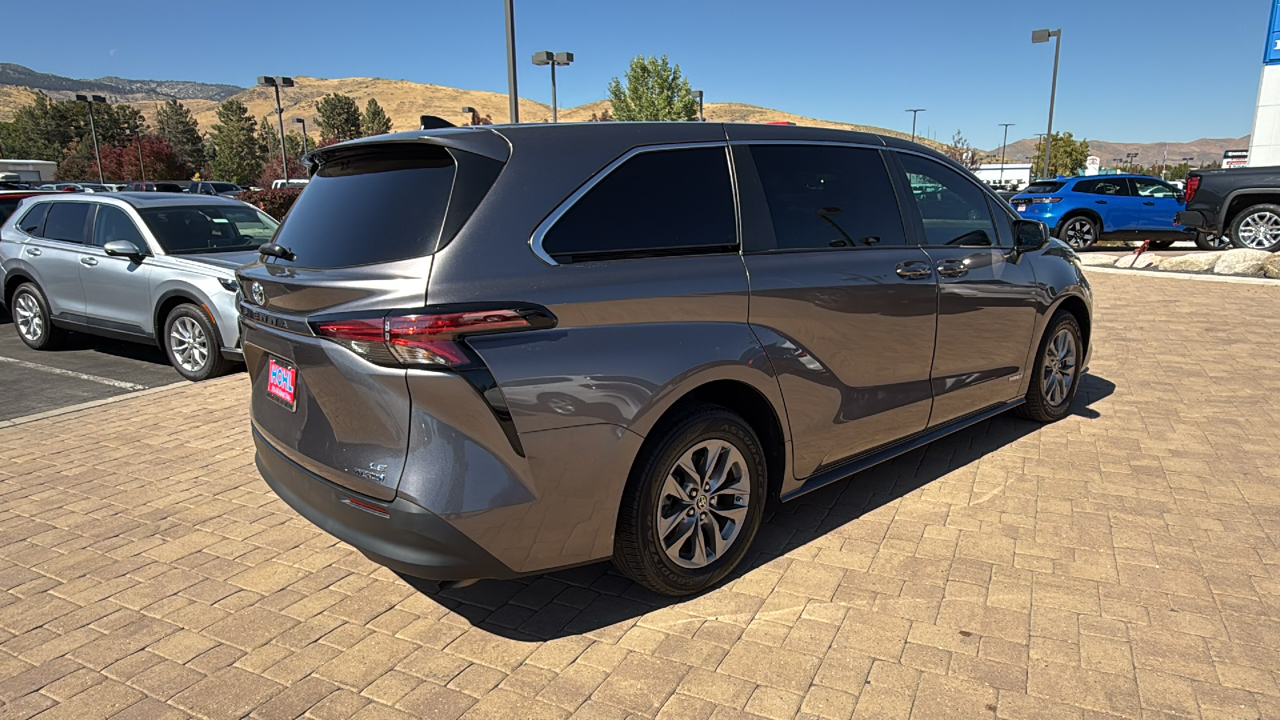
(259,295)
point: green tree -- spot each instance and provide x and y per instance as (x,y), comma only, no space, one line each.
(177,127)
(1067,156)
(652,90)
(375,120)
(238,153)
(338,118)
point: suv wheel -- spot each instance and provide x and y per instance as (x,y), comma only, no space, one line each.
(1257,228)
(1079,232)
(31,318)
(1056,374)
(192,344)
(1162,244)
(693,503)
(1206,241)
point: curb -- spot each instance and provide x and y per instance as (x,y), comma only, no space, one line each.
(1185,276)
(88,405)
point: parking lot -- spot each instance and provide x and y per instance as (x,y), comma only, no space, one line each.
(1119,563)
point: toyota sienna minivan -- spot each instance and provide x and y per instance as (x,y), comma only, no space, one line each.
(494,351)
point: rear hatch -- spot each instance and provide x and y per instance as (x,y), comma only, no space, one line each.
(1041,192)
(361,235)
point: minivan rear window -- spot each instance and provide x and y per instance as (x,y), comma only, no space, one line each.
(1039,188)
(372,205)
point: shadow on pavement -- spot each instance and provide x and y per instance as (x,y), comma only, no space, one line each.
(78,342)
(593,597)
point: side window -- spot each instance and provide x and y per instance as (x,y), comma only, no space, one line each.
(1114,186)
(1153,189)
(952,208)
(33,222)
(112,223)
(66,221)
(828,197)
(663,202)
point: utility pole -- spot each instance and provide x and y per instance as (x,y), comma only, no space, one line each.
(513,97)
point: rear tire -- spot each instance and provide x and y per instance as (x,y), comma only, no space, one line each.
(1162,244)
(1055,374)
(32,320)
(1079,231)
(675,486)
(192,344)
(1257,228)
(1206,241)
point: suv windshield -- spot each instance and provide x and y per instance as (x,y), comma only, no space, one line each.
(193,229)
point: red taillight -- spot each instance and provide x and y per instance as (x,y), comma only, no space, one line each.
(1193,184)
(428,338)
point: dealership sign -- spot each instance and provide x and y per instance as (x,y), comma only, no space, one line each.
(1272,55)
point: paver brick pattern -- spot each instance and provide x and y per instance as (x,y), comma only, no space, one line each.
(1120,563)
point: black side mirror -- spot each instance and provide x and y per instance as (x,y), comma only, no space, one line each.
(123,248)
(1029,235)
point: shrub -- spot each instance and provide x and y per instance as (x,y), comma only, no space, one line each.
(275,203)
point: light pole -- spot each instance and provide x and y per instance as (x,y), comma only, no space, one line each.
(513,97)
(278,82)
(142,170)
(698,95)
(303,122)
(1041,36)
(1129,158)
(914,112)
(475,116)
(547,58)
(90,100)
(1003,145)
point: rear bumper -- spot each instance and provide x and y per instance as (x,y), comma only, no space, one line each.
(408,538)
(1196,220)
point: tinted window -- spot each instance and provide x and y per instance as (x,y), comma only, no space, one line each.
(656,203)
(66,221)
(1153,189)
(189,229)
(7,207)
(112,223)
(386,203)
(1103,186)
(223,187)
(825,197)
(1041,188)
(953,209)
(33,222)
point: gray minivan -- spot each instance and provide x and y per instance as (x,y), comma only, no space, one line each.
(494,351)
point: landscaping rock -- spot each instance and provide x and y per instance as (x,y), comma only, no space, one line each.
(1137,262)
(1094,260)
(1271,266)
(1195,262)
(1241,262)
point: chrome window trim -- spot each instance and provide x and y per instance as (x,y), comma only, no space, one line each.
(540,232)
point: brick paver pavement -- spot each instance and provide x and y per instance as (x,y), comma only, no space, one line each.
(1122,562)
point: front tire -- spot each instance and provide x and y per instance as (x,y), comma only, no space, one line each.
(1055,375)
(1257,228)
(192,344)
(693,503)
(1080,232)
(31,318)
(1206,241)
(1162,244)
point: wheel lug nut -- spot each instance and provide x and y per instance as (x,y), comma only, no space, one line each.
(690,513)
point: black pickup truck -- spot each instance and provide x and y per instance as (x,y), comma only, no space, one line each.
(1242,204)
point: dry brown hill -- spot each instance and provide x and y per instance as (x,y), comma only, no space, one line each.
(1201,151)
(13,97)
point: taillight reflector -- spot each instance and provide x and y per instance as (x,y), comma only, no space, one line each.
(1193,184)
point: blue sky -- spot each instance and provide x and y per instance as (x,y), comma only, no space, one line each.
(1132,70)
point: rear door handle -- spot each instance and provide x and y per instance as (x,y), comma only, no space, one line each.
(33,252)
(952,268)
(1148,203)
(914,270)
(1101,202)
(88,261)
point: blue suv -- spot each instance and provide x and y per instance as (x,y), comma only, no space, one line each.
(1081,211)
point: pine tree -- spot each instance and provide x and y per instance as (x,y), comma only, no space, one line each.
(238,153)
(654,91)
(338,118)
(176,126)
(375,121)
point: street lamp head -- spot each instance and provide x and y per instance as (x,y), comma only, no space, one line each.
(1042,36)
(302,121)
(276,81)
(266,80)
(543,58)
(285,81)
(563,58)
(697,94)
(469,110)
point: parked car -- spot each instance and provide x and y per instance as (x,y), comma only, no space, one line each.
(225,189)
(1242,204)
(1083,210)
(491,352)
(294,184)
(10,199)
(155,187)
(153,269)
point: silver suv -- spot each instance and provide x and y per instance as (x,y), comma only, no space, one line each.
(152,268)
(486,352)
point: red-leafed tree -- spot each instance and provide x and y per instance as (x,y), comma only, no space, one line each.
(159,161)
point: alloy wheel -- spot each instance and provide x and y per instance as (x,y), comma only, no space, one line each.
(702,505)
(1059,367)
(1079,233)
(26,313)
(1260,230)
(189,344)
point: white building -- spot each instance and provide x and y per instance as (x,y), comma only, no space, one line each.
(1264,146)
(29,170)
(1013,176)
